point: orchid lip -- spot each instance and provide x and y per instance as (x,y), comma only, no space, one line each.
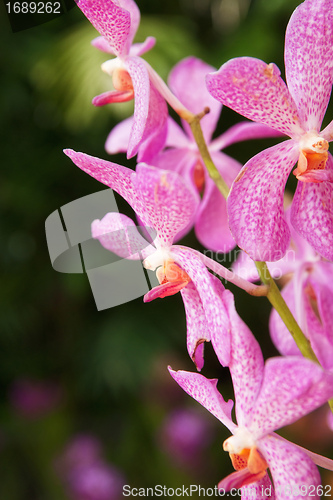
(156,259)
(313,157)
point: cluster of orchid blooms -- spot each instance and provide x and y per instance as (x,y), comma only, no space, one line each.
(171,191)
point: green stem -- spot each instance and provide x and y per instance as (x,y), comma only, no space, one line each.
(214,174)
(277,301)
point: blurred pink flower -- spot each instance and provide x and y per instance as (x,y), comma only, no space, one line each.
(34,398)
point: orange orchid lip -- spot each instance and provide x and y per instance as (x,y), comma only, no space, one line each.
(171,273)
(313,156)
(121,80)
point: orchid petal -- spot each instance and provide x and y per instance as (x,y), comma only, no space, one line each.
(210,290)
(138,49)
(260,490)
(280,335)
(309,60)
(196,323)
(155,133)
(118,138)
(255,203)
(243,131)
(113,96)
(205,392)
(187,81)
(291,469)
(176,137)
(291,388)
(112,21)
(101,43)
(168,203)
(164,290)
(140,79)
(312,214)
(118,233)
(134,11)
(255,89)
(114,176)
(246,363)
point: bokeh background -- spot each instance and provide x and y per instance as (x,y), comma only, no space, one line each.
(86,401)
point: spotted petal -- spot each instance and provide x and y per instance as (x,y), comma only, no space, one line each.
(294,474)
(255,89)
(291,388)
(255,203)
(168,202)
(211,293)
(112,21)
(205,392)
(309,59)
(312,213)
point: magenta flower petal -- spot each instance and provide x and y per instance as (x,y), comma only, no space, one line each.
(280,335)
(101,43)
(140,79)
(255,203)
(118,138)
(260,490)
(243,131)
(138,49)
(309,60)
(255,89)
(246,363)
(281,403)
(205,392)
(210,290)
(113,175)
(155,133)
(118,234)
(192,92)
(312,213)
(111,20)
(196,323)
(168,204)
(291,469)
(113,96)
(176,137)
(134,11)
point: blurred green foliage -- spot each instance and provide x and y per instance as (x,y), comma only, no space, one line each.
(111,365)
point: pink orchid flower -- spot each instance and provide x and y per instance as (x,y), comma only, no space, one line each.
(117,22)
(268,396)
(255,89)
(164,204)
(187,83)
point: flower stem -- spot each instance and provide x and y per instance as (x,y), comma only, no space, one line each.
(214,174)
(277,301)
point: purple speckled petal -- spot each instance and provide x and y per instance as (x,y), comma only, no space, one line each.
(176,136)
(211,226)
(243,131)
(131,7)
(138,49)
(187,82)
(210,290)
(168,202)
(291,469)
(309,59)
(255,89)
(291,388)
(118,233)
(102,44)
(118,138)
(113,96)
(140,79)
(112,21)
(280,335)
(255,203)
(155,133)
(312,213)
(205,392)
(196,323)
(114,176)
(260,490)
(246,363)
